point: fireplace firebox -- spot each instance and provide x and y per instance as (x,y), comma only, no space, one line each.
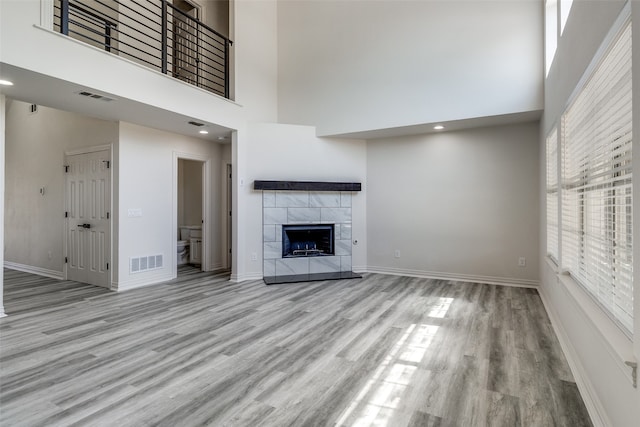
(307,240)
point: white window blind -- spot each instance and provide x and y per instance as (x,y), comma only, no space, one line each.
(552,194)
(596,184)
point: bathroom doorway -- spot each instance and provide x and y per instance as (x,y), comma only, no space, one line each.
(191,212)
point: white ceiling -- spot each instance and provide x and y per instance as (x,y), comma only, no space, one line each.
(51,92)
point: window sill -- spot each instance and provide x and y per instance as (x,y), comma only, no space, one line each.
(619,345)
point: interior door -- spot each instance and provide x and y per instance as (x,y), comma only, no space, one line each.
(88,199)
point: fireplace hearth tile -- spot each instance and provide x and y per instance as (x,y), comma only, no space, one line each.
(324,199)
(343,247)
(303,215)
(268,199)
(345,263)
(272,250)
(345,200)
(289,266)
(326,264)
(274,216)
(269,233)
(337,215)
(293,199)
(278,232)
(345,232)
(269,267)
(319,277)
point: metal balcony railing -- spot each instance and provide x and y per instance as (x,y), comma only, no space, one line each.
(155,33)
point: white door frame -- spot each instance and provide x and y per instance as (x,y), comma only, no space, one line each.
(206,208)
(65,226)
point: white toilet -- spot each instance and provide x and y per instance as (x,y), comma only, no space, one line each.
(183,252)
(188,233)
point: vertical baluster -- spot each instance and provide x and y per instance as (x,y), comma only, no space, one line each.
(164,36)
(64,17)
(226,68)
(107,36)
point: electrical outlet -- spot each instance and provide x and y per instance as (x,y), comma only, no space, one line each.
(396,253)
(254,256)
(49,255)
(522,261)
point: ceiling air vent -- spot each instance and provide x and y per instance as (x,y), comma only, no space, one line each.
(95,96)
(196,123)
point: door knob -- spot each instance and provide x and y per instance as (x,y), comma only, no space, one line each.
(85,225)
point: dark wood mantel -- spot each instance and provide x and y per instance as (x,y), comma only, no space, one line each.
(306,186)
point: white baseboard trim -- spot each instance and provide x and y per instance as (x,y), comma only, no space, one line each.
(508,281)
(216,266)
(587,391)
(140,283)
(2,312)
(245,277)
(34,270)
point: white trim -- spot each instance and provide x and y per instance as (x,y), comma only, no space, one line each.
(46,14)
(141,282)
(87,150)
(54,274)
(618,345)
(245,277)
(614,32)
(509,281)
(206,208)
(589,396)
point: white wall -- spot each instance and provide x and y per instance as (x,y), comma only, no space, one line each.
(286,152)
(255,37)
(35,147)
(24,44)
(595,347)
(455,204)
(147,170)
(2,171)
(348,66)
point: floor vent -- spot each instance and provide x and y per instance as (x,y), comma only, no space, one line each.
(95,96)
(145,263)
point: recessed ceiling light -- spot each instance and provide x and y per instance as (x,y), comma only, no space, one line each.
(438,127)
(204,132)
(6,83)
(222,138)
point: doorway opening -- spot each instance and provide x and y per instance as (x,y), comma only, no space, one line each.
(191,212)
(229,215)
(186,55)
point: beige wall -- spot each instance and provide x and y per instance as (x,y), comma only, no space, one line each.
(35,147)
(455,204)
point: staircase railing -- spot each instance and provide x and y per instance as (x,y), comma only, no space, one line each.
(154,33)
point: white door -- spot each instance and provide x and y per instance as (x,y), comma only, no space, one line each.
(88,199)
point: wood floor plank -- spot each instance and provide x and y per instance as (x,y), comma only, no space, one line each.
(201,350)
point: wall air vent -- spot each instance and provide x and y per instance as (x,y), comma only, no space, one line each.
(95,96)
(145,263)
(196,123)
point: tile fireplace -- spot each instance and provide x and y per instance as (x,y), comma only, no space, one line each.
(306,230)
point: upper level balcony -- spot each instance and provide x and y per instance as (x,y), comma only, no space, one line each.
(169,36)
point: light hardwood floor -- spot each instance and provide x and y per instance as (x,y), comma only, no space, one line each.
(383,351)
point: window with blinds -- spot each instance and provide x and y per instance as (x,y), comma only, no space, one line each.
(596,184)
(552,195)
